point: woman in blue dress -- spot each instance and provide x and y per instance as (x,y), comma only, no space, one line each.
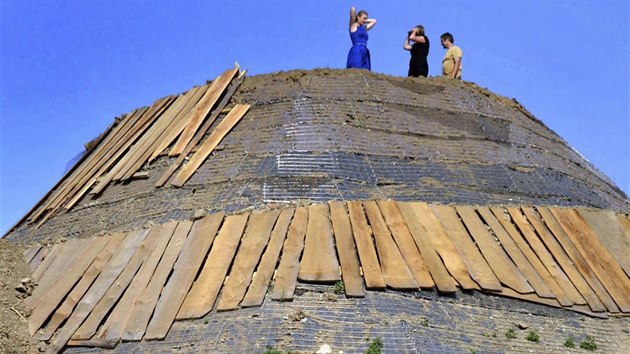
(359,55)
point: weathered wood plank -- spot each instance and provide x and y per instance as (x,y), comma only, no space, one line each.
(107,277)
(62,287)
(203,293)
(441,243)
(478,267)
(406,244)
(55,270)
(319,262)
(396,273)
(208,146)
(563,260)
(143,307)
(365,246)
(184,272)
(65,310)
(98,313)
(38,258)
(30,253)
(601,261)
(505,270)
(46,263)
(286,275)
(194,95)
(202,131)
(258,288)
(249,252)
(199,113)
(443,280)
(546,258)
(578,260)
(116,321)
(512,249)
(506,221)
(611,234)
(347,250)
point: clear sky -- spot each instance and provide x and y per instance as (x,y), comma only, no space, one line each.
(69,67)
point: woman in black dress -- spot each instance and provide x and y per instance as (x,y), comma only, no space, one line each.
(418,65)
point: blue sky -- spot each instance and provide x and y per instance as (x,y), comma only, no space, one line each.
(67,68)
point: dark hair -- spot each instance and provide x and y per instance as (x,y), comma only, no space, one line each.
(420,30)
(359,14)
(448,36)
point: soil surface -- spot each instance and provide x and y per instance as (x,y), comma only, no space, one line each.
(14,336)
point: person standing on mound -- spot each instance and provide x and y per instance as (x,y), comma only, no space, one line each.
(418,65)
(359,55)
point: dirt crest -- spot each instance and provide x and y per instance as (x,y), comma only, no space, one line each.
(14,335)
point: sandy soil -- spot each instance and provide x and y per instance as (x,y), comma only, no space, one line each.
(14,336)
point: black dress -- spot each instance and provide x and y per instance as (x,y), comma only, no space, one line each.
(418,65)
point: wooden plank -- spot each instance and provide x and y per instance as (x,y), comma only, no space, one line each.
(143,307)
(140,151)
(406,244)
(62,287)
(123,151)
(202,109)
(30,253)
(102,308)
(506,221)
(395,271)
(202,132)
(563,260)
(208,146)
(441,243)
(347,250)
(65,310)
(203,294)
(611,234)
(94,343)
(365,247)
(116,321)
(608,271)
(258,288)
(546,258)
(55,270)
(512,249)
(578,260)
(249,252)
(478,268)
(443,280)
(286,275)
(39,257)
(184,272)
(45,264)
(76,174)
(319,262)
(107,277)
(180,123)
(501,265)
(624,221)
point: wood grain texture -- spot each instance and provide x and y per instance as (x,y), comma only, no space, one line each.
(395,271)
(611,234)
(502,266)
(443,280)
(144,306)
(365,246)
(286,275)
(258,288)
(319,262)
(347,250)
(576,257)
(250,251)
(478,268)
(203,293)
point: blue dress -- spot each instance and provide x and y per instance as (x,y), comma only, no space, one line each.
(359,55)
